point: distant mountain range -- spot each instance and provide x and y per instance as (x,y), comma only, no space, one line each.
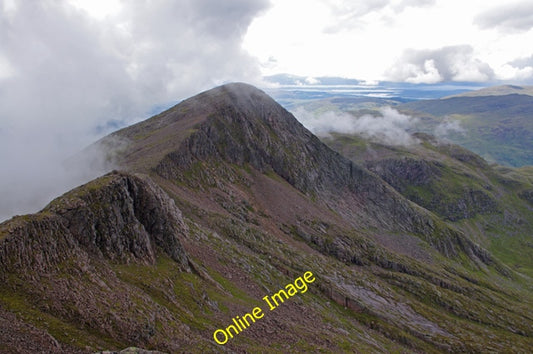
(225,198)
(494,122)
(496,125)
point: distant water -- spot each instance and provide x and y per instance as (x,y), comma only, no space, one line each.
(387,90)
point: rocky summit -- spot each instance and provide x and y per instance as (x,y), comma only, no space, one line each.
(229,227)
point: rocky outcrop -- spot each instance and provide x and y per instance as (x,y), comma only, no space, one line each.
(407,171)
(527,195)
(423,182)
(64,265)
(120,217)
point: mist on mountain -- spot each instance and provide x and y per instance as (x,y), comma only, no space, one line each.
(65,75)
(389,126)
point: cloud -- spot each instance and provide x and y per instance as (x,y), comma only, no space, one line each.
(522,63)
(448,127)
(452,63)
(312,81)
(520,70)
(400,6)
(67,78)
(348,14)
(351,9)
(514,17)
(390,127)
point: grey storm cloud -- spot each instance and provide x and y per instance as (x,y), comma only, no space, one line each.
(513,16)
(67,78)
(452,63)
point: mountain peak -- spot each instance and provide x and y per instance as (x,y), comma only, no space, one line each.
(198,143)
(149,141)
(238,94)
(237,89)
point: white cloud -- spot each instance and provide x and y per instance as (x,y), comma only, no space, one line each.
(453,63)
(362,39)
(416,74)
(447,127)
(6,70)
(311,81)
(351,14)
(514,16)
(522,63)
(403,4)
(390,127)
(67,72)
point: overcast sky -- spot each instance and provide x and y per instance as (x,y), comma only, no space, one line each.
(73,70)
(403,40)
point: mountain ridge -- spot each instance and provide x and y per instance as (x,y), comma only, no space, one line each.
(500,90)
(270,139)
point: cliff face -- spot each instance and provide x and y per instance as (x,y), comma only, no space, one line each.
(226,198)
(60,261)
(118,217)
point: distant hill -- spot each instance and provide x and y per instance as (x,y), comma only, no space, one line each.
(497,127)
(497,91)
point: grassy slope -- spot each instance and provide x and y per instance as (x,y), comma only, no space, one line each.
(463,312)
(242,254)
(505,231)
(250,242)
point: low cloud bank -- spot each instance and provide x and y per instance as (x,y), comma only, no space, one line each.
(29,184)
(391,127)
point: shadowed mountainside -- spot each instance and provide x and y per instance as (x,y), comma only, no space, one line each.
(490,203)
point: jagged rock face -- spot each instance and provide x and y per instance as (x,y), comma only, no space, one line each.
(399,172)
(527,195)
(247,126)
(62,261)
(118,217)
